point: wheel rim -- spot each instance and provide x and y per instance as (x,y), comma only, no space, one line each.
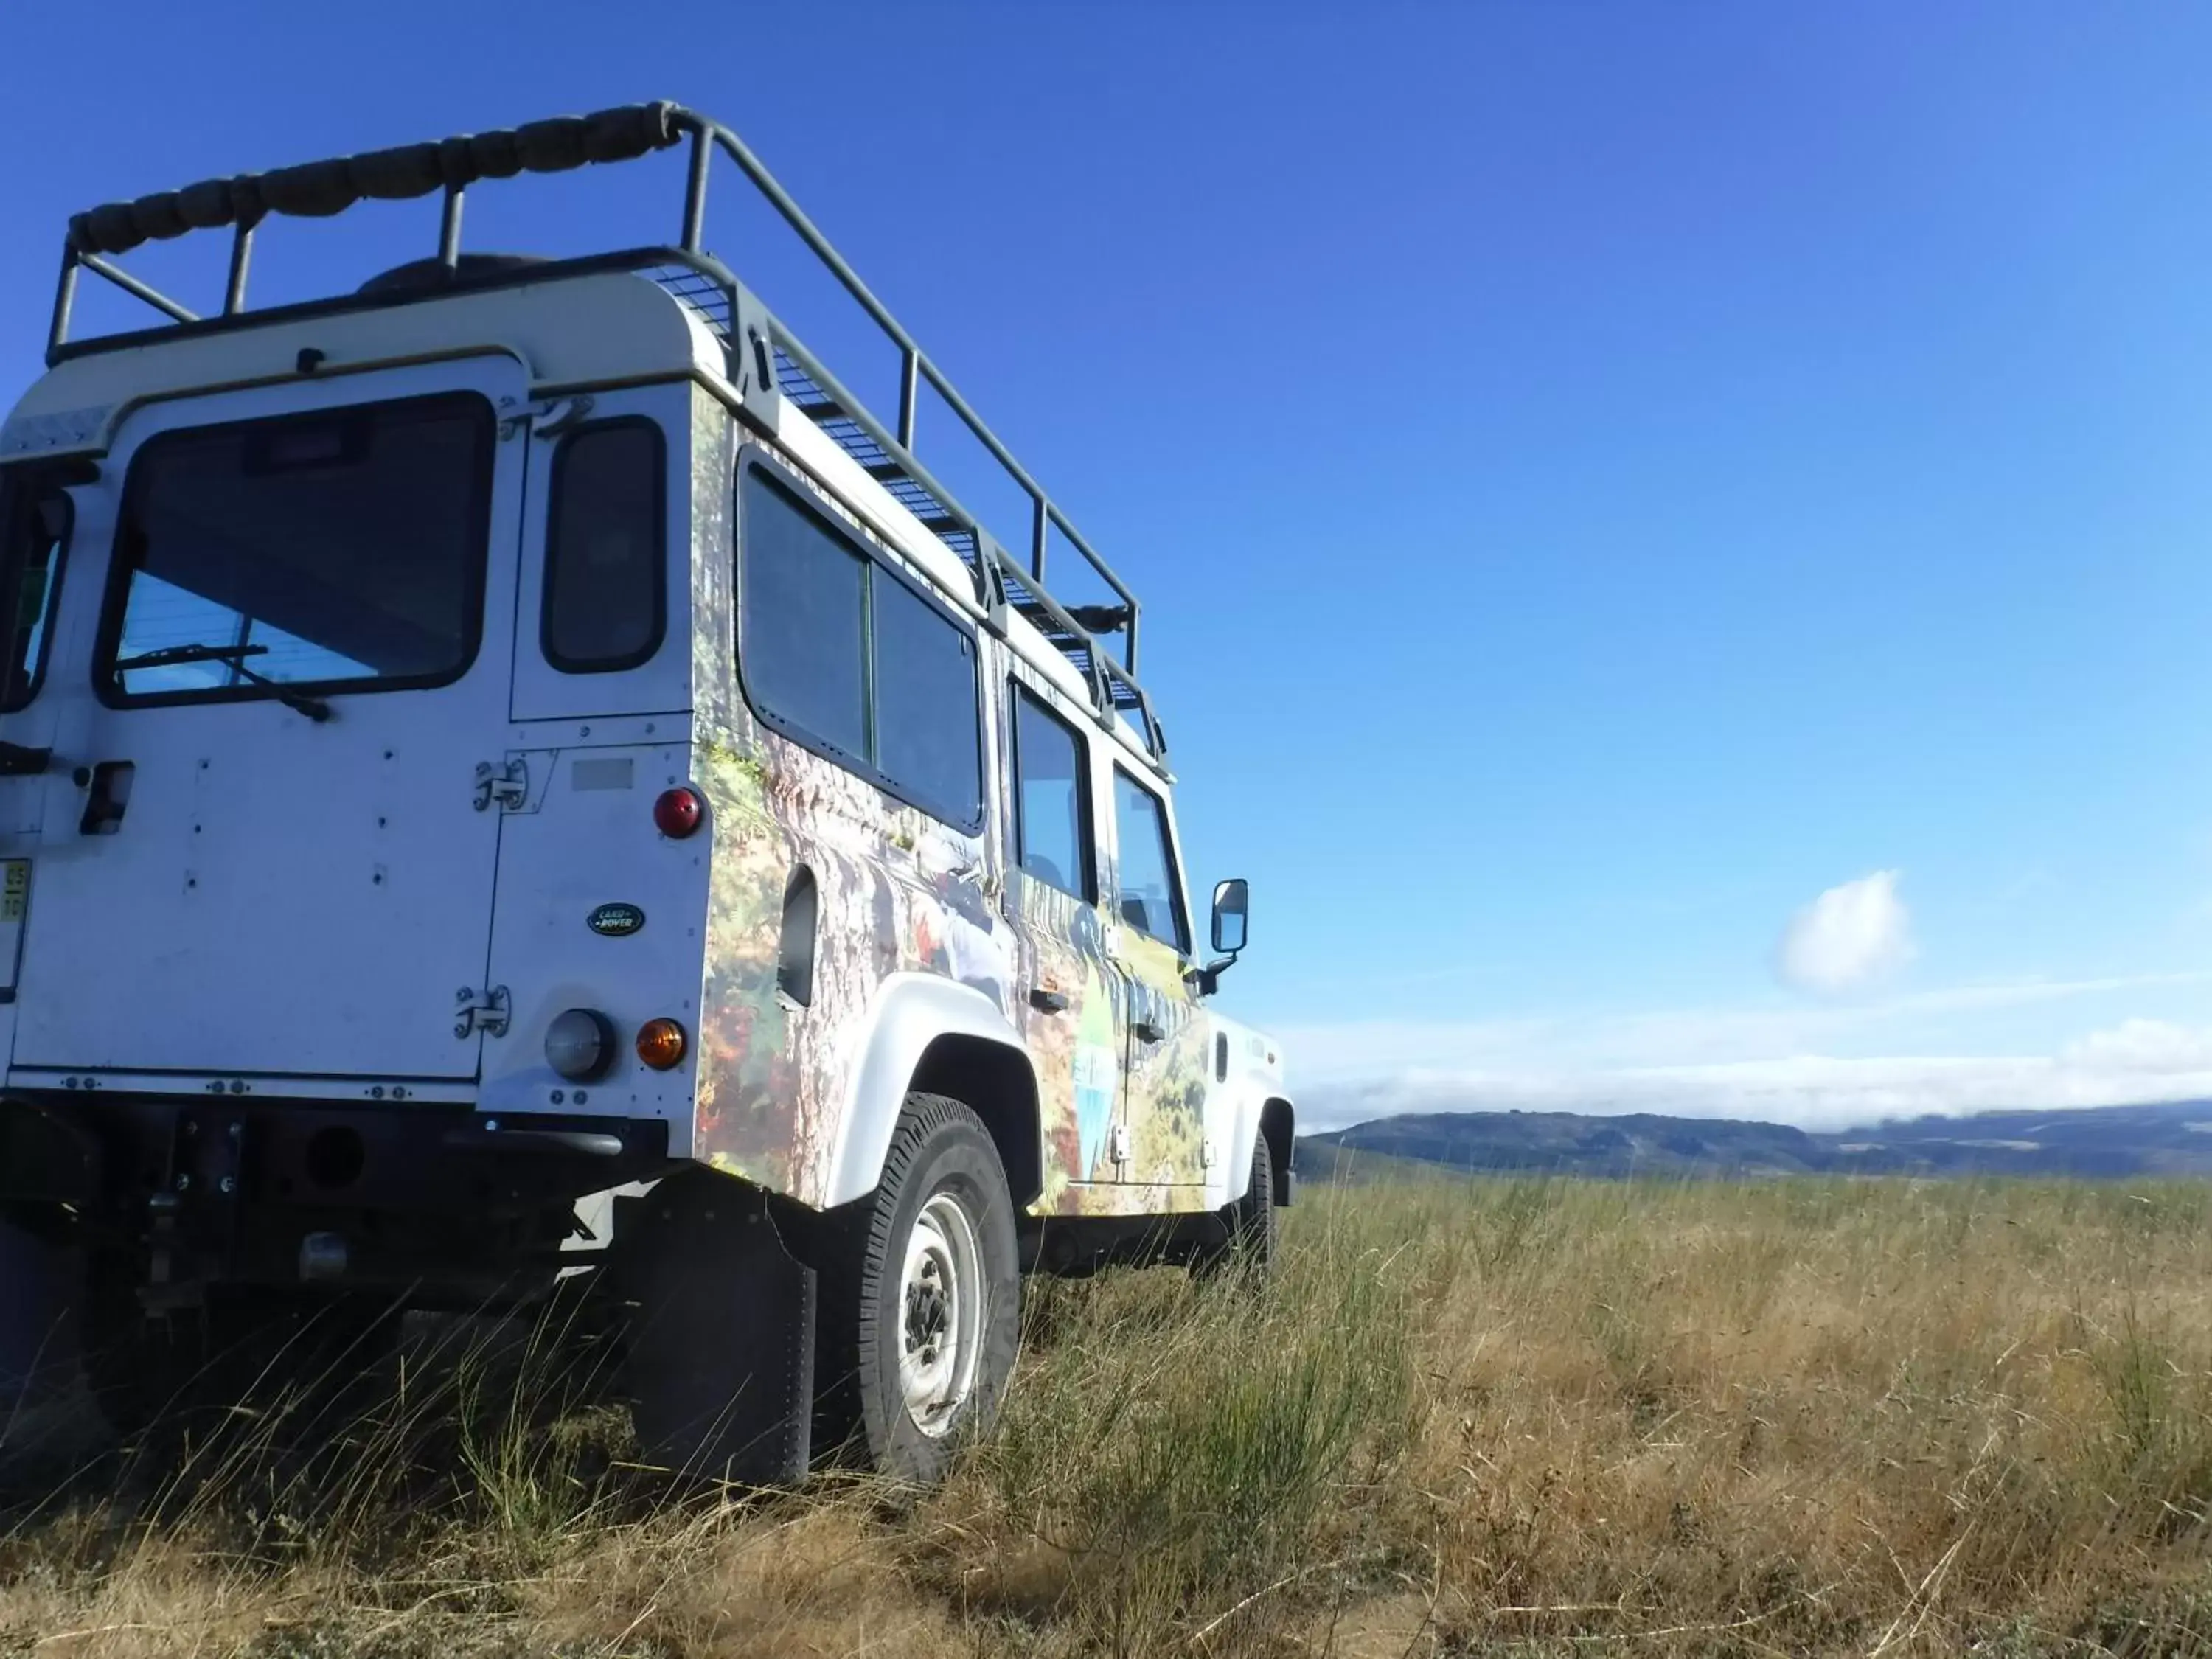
(940,1314)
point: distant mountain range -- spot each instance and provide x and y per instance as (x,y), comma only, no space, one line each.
(2106,1141)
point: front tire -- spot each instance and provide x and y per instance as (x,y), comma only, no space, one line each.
(922,1305)
(1252,1226)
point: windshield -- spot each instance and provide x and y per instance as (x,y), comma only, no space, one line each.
(331,548)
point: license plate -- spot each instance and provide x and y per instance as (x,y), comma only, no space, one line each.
(14,888)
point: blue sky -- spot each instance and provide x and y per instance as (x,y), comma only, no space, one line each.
(1600,477)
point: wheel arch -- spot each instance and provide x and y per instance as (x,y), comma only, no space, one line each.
(931,1033)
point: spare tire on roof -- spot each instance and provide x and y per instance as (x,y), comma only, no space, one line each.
(428,275)
(317,189)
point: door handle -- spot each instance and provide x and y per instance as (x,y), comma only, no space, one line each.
(108,792)
(1145,1032)
(1049,1000)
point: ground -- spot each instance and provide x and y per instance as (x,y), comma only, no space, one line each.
(1801,1417)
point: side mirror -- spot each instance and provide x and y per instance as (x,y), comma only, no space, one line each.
(1231,901)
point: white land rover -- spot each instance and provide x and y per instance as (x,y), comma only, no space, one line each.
(515,770)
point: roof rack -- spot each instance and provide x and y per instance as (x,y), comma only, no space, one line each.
(319,189)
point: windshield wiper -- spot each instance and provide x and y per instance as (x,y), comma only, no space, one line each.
(173,656)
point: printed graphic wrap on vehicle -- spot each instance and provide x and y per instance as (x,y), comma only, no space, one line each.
(899,891)
(896,891)
(1075,1049)
(1167,1074)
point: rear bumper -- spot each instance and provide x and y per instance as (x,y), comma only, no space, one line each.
(192,1192)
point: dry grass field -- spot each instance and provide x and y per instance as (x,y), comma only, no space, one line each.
(1501,1417)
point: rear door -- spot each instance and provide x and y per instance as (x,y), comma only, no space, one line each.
(264,849)
(597,908)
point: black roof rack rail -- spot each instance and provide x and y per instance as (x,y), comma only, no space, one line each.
(451,165)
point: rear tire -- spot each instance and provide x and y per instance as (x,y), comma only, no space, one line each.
(920,1310)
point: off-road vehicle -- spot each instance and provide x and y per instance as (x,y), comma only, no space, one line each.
(514,775)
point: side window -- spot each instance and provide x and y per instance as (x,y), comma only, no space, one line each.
(803,624)
(1150,901)
(928,741)
(840,652)
(1051,784)
(39,530)
(606,563)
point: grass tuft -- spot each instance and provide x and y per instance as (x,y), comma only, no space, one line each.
(1519,1416)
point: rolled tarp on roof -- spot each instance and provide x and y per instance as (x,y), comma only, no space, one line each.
(318,189)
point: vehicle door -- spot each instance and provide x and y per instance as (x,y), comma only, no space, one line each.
(36,518)
(1164,1063)
(1069,990)
(597,908)
(263,848)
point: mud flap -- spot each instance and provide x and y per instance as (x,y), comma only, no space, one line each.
(719,1358)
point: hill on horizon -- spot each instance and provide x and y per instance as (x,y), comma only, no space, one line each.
(2102,1142)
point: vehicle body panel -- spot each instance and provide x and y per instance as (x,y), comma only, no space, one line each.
(252,836)
(923,931)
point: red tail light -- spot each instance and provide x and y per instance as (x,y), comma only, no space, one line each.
(678,811)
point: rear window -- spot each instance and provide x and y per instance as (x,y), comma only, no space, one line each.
(35,519)
(606,570)
(342,549)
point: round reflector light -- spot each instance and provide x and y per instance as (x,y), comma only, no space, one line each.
(580,1044)
(660,1044)
(677,812)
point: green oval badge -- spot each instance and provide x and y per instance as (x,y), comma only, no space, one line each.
(616,920)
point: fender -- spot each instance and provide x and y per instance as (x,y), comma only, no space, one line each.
(1243,1099)
(909,1011)
(1232,1176)
(1236,1167)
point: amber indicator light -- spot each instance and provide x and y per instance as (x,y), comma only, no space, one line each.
(660,1044)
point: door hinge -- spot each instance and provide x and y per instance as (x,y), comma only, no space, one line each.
(1120,1143)
(486,1011)
(1205,1153)
(549,418)
(506,781)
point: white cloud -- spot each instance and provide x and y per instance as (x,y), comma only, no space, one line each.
(2156,1046)
(1849,936)
(1813,1092)
(1362,1050)
(1776,1063)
